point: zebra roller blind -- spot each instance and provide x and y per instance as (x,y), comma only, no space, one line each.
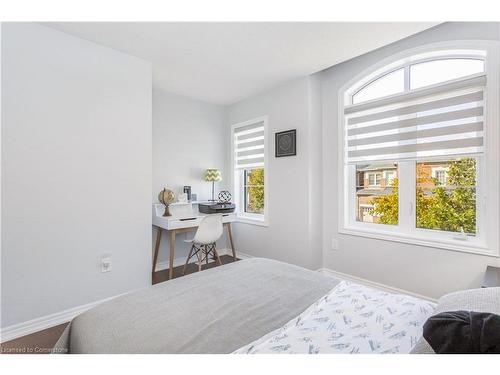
(249,146)
(439,121)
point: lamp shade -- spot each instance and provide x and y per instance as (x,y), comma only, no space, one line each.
(213,174)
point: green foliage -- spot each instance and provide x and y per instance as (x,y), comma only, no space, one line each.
(255,189)
(449,208)
(386,206)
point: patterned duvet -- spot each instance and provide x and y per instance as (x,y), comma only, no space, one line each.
(351,318)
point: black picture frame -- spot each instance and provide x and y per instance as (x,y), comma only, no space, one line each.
(285,143)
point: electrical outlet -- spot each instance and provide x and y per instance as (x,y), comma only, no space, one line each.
(335,244)
(106,264)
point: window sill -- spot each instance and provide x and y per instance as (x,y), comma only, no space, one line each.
(395,237)
(252,221)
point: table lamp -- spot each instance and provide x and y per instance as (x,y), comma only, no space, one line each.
(212,175)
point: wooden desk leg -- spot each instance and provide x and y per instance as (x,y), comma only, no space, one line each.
(229,231)
(172,250)
(157,247)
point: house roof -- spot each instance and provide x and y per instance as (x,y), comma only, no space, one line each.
(378,192)
(376,167)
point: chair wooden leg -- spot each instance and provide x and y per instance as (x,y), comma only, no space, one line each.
(200,258)
(187,260)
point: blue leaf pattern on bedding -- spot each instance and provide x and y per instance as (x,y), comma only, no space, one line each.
(353,319)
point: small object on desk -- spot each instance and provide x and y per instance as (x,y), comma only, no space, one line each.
(182,198)
(224,196)
(166,197)
(213,175)
(187,190)
(491,277)
(194,198)
(216,208)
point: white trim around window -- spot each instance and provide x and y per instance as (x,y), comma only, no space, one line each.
(486,241)
(237,182)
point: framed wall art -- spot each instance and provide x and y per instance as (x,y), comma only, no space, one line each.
(285,143)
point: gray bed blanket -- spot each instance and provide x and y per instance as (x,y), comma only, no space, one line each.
(214,311)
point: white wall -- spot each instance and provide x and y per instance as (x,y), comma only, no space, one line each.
(76,172)
(423,270)
(189,136)
(294,231)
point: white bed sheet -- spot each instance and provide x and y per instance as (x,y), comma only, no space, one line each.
(351,318)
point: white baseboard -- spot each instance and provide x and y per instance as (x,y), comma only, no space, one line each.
(356,279)
(373,284)
(31,326)
(239,254)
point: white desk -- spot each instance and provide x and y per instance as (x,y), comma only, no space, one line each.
(185,217)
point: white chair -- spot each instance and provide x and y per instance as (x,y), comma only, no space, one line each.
(203,243)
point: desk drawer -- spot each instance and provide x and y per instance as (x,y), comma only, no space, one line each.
(187,221)
(228,218)
(184,222)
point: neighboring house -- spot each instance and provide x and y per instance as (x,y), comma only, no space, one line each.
(374,180)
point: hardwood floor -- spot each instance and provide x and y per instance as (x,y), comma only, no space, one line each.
(160,276)
(42,342)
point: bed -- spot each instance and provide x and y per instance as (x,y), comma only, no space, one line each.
(258,306)
(215,311)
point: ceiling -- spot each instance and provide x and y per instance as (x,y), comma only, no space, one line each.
(222,63)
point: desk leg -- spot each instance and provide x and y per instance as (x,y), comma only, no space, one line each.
(172,250)
(157,247)
(230,233)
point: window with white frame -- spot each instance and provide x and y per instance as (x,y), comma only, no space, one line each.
(418,146)
(440,174)
(249,169)
(389,177)
(374,179)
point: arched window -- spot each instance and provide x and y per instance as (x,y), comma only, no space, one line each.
(441,70)
(390,83)
(420,72)
(415,153)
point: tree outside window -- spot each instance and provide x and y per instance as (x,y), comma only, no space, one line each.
(447,207)
(254,191)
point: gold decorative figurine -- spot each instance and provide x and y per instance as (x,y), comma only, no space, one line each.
(166,197)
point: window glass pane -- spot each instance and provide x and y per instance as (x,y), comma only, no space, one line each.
(389,177)
(431,72)
(254,191)
(389,84)
(377,197)
(371,179)
(446,195)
